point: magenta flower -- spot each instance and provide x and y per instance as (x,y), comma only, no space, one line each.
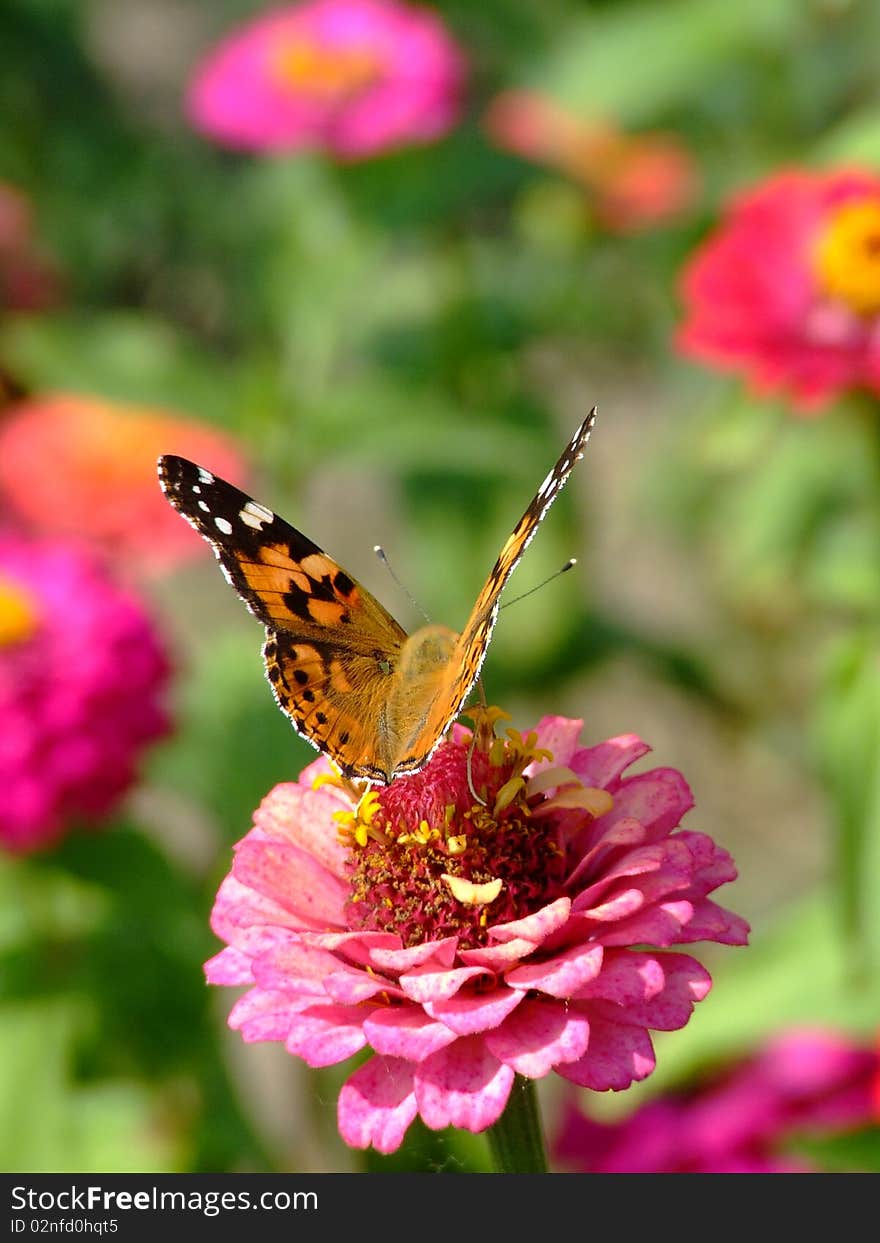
(81,680)
(787,289)
(803,1084)
(465,942)
(348,77)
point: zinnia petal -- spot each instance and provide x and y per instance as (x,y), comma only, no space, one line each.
(377,1104)
(462,1085)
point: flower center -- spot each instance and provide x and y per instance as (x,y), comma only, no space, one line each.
(430,861)
(18,614)
(847,256)
(327,73)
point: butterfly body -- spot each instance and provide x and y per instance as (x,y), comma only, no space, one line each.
(352,682)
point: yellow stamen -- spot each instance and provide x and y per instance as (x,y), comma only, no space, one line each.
(470,894)
(489,715)
(457,845)
(507,794)
(18,614)
(597,802)
(496,753)
(367,807)
(549,778)
(327,779)
(847,256)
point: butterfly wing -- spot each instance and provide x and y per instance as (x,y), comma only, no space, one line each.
(331,648)
(470,650)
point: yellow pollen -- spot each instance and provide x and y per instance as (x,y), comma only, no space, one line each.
(327,73)
(847,256)
(470,894)
(457,844)
(18,616)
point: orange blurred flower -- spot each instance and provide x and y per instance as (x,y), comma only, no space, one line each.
(81,466)
(635,181)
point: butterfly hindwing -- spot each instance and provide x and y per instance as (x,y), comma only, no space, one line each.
(336,698)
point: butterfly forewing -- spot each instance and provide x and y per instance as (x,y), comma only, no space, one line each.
(473,642)
(331,648)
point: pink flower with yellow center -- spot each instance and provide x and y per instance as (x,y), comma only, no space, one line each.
(85,467)
(470,928)
(786,291)
(82,679)
(635,181)
(348,77)
(803,1084)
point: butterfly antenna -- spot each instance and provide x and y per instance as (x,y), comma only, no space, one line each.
(383,557)
(572,561)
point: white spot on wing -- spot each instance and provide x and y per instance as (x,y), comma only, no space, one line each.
(196,488)
(222,524)
(206,508)
(205,475)
(254,515)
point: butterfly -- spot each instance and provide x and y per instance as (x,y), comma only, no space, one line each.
(353,683)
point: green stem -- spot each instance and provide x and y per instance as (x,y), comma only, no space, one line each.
(516,1140)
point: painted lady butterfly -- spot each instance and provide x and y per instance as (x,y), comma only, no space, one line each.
(354,684)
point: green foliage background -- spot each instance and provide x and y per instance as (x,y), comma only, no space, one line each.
(412,339)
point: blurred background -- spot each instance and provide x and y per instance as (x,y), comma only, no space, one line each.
(388,339)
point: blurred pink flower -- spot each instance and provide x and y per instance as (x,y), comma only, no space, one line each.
(82,675)
(804,1083)
(465,944)
(349,77)
(636,181)
(28,280)
(786,291)
(78,465)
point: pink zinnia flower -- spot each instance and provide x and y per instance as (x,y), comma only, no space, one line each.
(804,1084)
(350,77)
(786,291)
(465,942)
(635,181)
(78,465)
(82,675)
